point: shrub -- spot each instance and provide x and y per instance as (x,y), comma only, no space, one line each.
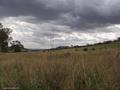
(85,49)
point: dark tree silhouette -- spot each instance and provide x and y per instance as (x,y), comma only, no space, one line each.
(4,38)
(16,46)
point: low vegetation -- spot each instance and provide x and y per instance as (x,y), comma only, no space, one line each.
(61,70)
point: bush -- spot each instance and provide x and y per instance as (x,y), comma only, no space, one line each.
(85,49)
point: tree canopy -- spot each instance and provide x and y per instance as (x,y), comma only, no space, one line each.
(16,46)
(4,38)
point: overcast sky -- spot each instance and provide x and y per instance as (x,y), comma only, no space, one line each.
(51,23)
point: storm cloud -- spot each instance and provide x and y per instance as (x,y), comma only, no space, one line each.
(63,22)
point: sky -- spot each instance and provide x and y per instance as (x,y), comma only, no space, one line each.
(41,24)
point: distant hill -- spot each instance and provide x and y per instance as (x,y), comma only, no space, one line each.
(97,46)
(104,45)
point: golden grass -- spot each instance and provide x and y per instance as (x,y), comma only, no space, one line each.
(61,70)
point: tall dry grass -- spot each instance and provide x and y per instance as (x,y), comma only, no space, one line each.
(61,70)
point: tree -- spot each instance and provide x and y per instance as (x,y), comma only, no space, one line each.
(16,46)
(4,38)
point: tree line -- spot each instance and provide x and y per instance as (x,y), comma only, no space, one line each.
(6,39)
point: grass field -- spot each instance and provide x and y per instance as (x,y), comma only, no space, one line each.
(71,69)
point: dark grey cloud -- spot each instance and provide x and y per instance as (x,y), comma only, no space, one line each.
(28,8)
(83,14)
